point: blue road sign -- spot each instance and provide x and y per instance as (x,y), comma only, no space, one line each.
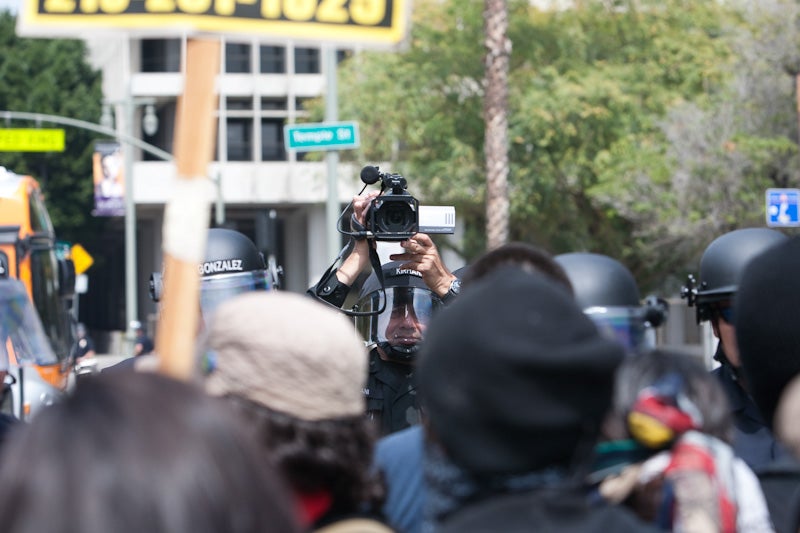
(320,136)
(782,207)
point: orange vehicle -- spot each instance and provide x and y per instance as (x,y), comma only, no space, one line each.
(28,253)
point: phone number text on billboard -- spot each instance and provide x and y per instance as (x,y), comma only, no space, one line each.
(370,20)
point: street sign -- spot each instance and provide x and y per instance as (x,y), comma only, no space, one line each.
(321,136)
(31,140)
(81,259)
(782,207)
(382,22)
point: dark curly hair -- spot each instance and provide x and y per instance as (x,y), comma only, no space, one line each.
(137,451)
(334,455)
(528,257)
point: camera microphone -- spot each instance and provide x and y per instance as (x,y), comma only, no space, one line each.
(370,175)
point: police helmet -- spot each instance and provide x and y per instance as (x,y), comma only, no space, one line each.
(401,311)
(722,265)
(232,265)
(607,292)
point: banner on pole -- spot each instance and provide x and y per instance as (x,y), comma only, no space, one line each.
(109,180)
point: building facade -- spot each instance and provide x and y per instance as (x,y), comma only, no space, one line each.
(264,191)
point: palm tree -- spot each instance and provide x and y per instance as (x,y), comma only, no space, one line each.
(495,108)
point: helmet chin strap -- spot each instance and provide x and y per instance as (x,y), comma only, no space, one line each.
(397,353)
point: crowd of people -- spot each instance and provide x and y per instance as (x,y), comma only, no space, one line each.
(522,392)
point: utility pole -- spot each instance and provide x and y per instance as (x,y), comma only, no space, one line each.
(332,156)
(128,107)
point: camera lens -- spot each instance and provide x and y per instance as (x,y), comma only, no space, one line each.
(395,217)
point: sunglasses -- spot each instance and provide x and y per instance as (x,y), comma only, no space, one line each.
(725,313)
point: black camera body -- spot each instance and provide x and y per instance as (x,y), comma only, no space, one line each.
(394,215)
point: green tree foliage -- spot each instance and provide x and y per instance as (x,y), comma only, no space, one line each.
(724,151)
(52,76)
(596,92)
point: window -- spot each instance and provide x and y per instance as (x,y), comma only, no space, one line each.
(273,59)
(237,58)
(39,219)
(160,55)
(273,104)
(240,139)
(44,273)
(272,148)
(306,61)
(233,103)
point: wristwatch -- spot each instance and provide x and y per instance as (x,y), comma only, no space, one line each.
(452,292)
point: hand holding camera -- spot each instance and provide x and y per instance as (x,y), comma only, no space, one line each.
(422,255)
(395,215)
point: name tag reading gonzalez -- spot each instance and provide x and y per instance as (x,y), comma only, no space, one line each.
(367,20)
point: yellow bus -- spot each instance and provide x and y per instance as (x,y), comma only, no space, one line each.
(28,253)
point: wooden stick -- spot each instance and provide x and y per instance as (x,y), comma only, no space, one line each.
(186,214)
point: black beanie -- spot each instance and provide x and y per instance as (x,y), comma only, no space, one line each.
(767,329)
(514,376)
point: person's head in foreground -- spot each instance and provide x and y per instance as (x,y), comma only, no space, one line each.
(670,459)
(516,380)
(297,369)
(134,452)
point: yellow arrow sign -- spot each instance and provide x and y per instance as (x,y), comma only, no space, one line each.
(81,259)
(31,140)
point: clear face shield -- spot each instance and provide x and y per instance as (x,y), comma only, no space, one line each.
(404,319)
(213,291)
(626,325)
(216,289)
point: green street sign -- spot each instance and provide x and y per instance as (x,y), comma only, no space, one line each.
(31,140)
(321,136)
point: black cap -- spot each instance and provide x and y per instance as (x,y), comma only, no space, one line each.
(514,376)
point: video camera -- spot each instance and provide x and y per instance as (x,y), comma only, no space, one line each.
(396,215)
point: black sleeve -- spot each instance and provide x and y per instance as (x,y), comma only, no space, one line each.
(331,290)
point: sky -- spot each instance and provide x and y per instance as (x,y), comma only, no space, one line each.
(10,5)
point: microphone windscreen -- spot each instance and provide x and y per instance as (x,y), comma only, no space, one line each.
(370,174)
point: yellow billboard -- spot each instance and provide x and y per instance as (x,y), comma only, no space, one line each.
(31,140)
(352,21)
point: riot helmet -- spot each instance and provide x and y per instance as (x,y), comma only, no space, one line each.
(232,265)
(608,294)
(394,317)
(722,265)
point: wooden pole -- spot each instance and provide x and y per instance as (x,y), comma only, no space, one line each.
(186,215)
